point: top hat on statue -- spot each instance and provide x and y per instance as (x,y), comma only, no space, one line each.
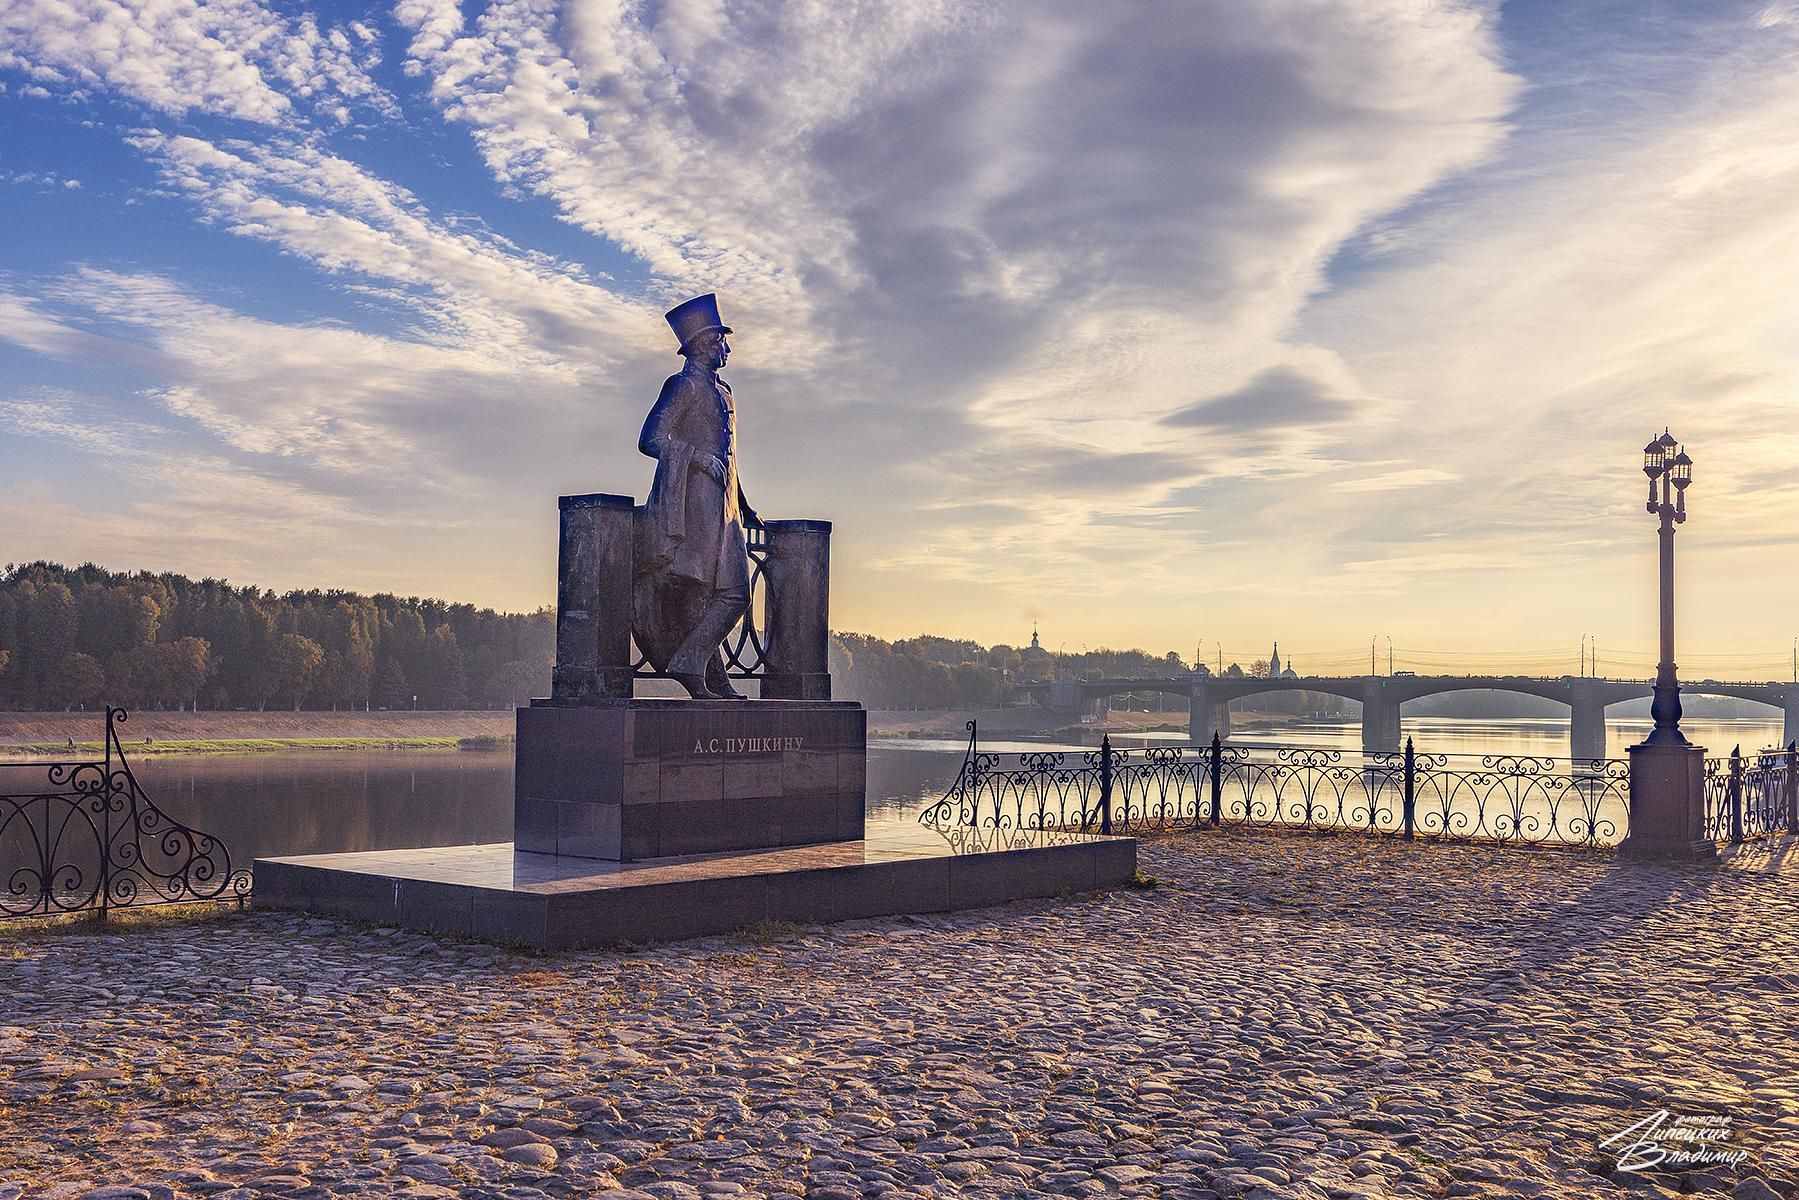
(696,316)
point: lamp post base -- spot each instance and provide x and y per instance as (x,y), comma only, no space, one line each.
(1667,803)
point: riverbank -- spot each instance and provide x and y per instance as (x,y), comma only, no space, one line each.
(1291,1017)
(33,735)
(1046,723)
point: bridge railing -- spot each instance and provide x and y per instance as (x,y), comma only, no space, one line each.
(1410,794)
(1752,796)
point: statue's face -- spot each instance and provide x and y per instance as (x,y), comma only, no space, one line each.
(712,349)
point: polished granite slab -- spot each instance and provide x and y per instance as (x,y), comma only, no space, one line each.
(498,893)
(648,778)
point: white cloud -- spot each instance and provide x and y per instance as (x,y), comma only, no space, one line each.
(233,58)
(473,291)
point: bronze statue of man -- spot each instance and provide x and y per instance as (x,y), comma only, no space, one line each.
(693,583)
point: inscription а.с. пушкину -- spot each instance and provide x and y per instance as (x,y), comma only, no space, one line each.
(754,745)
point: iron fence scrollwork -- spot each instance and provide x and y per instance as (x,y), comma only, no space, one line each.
(1752,796)
(85,837)
(1407,794)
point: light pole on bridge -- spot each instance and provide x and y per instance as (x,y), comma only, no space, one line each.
(1667,464)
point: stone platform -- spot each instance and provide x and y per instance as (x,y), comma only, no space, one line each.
(497,893)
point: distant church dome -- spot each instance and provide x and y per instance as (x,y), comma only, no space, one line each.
(1034,657)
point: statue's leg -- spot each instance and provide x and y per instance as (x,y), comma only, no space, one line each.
(718,678)
(722,612)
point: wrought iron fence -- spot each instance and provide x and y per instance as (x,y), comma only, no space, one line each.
(1751,797)
(1503,798)
(84,836)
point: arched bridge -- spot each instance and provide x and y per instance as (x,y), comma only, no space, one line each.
(1210,696)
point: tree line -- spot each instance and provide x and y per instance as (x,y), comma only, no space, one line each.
(86,636)
(946,673)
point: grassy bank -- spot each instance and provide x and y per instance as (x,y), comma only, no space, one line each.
(36,733)
(140,749)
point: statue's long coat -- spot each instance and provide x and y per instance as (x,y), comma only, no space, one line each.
(693,525)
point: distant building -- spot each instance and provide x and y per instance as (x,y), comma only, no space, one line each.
(1034,659)
(1275,671)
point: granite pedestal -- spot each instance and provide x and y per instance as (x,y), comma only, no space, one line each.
(625,780)
(497,893)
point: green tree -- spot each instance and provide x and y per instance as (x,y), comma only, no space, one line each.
(391,690)
(518,681)
(183,667)
(77,678)
(47,624)
(114,619)
(295,660)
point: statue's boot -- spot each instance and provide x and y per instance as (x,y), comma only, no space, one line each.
(688,666)
(718,680)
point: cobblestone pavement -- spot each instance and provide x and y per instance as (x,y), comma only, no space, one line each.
(1287,1016)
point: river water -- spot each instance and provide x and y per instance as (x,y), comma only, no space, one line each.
(322,801)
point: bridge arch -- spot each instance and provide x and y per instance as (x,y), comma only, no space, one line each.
(1242,689)
(1754,693)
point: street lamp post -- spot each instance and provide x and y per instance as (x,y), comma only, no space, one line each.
(1667,772)
(1670,471)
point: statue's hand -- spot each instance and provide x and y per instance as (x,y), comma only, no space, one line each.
(712,466)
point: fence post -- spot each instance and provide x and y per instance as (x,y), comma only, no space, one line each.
(1411,788)
(1105,784)
(1736,795)
(106,817)
(1793,787)
(1217,776)
(971,776)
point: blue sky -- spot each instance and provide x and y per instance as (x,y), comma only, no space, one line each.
(1153,323)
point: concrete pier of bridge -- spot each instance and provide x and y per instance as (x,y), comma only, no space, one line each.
(1207,715)
(1380,717)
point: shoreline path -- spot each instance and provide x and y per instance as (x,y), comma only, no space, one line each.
(1287,1016)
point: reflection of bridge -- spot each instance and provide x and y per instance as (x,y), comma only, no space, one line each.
(1209,698)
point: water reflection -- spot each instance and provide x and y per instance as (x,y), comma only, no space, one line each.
(326,801)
